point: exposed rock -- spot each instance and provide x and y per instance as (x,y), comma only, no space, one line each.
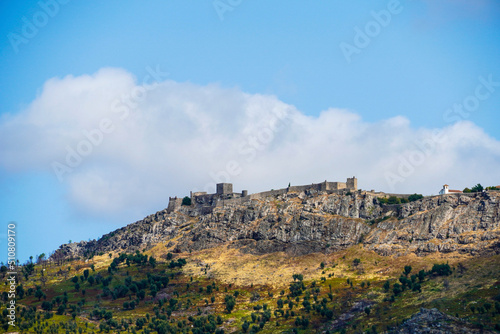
(307,222)
(344,318)
(432,321)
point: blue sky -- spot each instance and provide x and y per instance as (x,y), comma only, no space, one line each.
(233,66)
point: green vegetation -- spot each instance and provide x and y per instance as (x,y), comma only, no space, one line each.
(186,200)
(415,197)
(399,200)
(141,293)
(479,188)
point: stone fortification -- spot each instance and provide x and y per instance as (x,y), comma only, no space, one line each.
(224,194)
(174,204)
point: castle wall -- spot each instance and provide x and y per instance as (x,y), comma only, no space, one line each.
(232,201)
(198,193)
(224,194)
(268,193)
(174,204)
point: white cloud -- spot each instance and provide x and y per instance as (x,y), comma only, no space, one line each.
(176,137)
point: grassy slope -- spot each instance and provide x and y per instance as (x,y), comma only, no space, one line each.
(269,274)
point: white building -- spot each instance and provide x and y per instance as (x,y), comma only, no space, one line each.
(447,190)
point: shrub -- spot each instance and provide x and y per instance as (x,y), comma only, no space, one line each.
(415,197)
(393,200)
(382,200)
(441,269)
(186,201)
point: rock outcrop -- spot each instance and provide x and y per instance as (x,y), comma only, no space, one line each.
(432,321)
(313,221)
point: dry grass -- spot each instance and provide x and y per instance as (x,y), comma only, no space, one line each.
(231,266)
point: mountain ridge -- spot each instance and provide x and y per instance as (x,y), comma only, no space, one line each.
(311,221)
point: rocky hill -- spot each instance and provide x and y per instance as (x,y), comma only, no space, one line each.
(306,222)
(287,261)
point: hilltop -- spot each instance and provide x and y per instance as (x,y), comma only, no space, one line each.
(311,221)
(322,258)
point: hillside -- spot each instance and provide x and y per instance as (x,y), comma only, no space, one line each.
(296,262)
(308,222)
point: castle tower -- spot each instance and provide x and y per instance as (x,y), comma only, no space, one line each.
(352,183)
(224,188)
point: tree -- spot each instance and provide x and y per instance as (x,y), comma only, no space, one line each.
(47,306)
(467,190)
(154,291)
(415,197)
(356,262)
(86,273)
(397,289)
(61,309)
(441,269)
(186,200)
(39,294)
(245,326)
(407,270)
(28,270)
(387,285)
(20,291)
(477,188)
(367,311)
(230,303)
(421,275)
(280,303)
(41,258)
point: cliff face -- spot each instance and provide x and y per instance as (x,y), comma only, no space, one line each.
(307,222)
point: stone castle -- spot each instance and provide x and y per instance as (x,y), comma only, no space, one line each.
(224,194)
